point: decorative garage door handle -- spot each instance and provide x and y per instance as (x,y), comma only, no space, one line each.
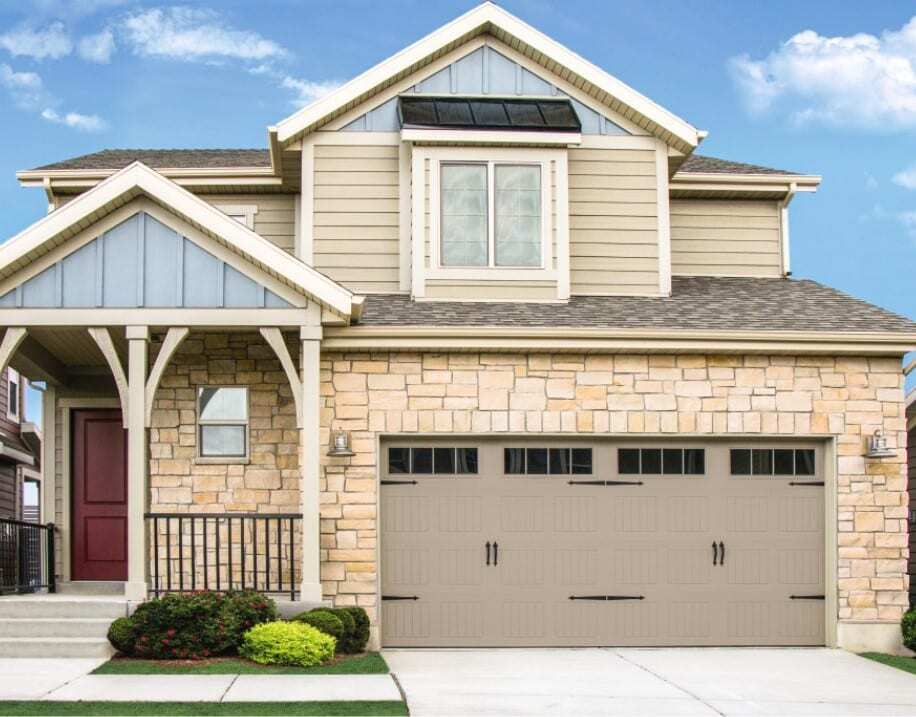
(495,553)
(715,553)
(400,597)
(605,482)
(607,598)
(721,553)
(807,597)
(488,552)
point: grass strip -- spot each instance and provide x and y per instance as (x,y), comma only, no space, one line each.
(372,663)
(907,664)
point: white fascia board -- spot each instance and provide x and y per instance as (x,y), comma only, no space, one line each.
(803,182)
(476,20)
(139,177)
(459,136)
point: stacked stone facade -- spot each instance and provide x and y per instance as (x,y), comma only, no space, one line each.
(805,396)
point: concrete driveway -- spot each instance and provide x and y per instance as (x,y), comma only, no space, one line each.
(649,682)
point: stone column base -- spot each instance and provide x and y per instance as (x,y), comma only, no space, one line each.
(310,592)
(870,637)
(136,592)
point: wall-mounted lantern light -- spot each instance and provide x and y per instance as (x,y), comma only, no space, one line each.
(340,445)
(877,446)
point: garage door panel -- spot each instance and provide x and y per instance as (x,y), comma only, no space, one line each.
(524,567)
(406,513)
(633,565)
(633,513)
(576,567)
(407,566)
(749,566)
(691,622)
(632,623)
(800,513)
(579,623)
(521,514)
(800,566)
(575,514)
(524,620)
(748,513)
(461,567)
(460,514)
(689,565)
(688,514)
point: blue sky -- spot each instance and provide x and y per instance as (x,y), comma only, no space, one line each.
(825,88)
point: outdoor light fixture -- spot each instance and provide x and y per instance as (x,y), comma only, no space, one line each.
(340,445)
(877,446)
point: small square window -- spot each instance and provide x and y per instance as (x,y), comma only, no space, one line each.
(514,461)
(421,461)
(784,462)
(741,461)
(804,462)
(398,460)
(582,461)
(537,461)
(222,441)
(762,460)
(443,460)
(694,461)
(466,462)
(651,461)
(628,461)
(222,418)
(673,461)
(559,461)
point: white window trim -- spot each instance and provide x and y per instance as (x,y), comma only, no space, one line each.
(535,156)
(200,458)
(12,376)
(240,211)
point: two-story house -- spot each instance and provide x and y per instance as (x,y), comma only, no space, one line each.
(20,476)
(480,343)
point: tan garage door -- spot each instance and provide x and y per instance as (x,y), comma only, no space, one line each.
(563,543)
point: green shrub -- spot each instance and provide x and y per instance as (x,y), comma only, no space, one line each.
(121,635)
(197,625)
(361,633)
(908,628)
(287,643)
(325,621)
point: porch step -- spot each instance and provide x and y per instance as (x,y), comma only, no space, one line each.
(62,607)
(55,647)
(99,587)
(54,627)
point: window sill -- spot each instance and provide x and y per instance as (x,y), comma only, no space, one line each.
(491,274)
(210,461)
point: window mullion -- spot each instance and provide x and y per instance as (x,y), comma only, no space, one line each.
(491,214)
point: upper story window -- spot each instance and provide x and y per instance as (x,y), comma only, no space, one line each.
(222,418)
(13,395)
(242,213)
(491,215)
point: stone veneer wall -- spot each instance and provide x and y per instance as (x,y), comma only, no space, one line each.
(370,394)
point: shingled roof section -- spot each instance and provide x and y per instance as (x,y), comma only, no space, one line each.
(166,159)
(699,164)
(696,303)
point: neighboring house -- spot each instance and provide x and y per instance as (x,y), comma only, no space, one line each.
(911,475)
(20,472)
(478,343)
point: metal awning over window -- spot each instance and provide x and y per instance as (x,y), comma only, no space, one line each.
(488,114)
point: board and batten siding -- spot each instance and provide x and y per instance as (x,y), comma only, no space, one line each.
(275,219)
(355,219)
(613,221)
(725,238)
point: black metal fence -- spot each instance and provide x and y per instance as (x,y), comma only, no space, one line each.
(230,551)
(26,557)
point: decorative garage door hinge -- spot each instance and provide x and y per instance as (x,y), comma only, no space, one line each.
(806,482)
(398,482)
(607,598)
(807,597)
(400,597)
(605,482)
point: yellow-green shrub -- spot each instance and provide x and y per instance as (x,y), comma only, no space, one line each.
(287,643)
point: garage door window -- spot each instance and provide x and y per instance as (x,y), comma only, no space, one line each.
(547,461)
(432,461)
(772,461)
(661,461)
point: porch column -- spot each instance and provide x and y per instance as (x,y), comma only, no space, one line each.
(137,339)
(310,463)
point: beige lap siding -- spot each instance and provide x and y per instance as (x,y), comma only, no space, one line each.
(356,216)
(275,217)
(725,238)
(372,394)
(613,221)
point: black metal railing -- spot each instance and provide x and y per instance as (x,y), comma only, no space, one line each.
(26,557)
(221,552)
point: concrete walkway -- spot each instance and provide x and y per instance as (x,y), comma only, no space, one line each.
(65,680)
(650,682)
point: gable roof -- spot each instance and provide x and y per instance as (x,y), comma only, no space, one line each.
(137,179)
(487,18)
(701,164)
(165,159)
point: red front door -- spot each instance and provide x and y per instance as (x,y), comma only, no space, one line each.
(99,515)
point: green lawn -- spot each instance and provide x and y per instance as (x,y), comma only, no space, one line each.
(332,709)
(907,664)
(372,663)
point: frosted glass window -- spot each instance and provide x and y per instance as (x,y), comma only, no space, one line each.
(222,416)
(518,215)
(464,214)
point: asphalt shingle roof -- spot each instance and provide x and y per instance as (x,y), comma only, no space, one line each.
(227,158)
(696,303)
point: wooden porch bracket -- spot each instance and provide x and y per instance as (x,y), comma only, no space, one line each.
(103,338)
(274,337)
(11,339)
(173,339)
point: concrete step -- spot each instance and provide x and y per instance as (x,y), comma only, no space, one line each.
(54,647)
(54,627)
(110,588)
(62,607)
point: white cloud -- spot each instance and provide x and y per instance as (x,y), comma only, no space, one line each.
(25,88)
(307,91)
(85,123)
(906,178)
(860,80)
(870,181)
(190,34)
(97,48)
(51,42)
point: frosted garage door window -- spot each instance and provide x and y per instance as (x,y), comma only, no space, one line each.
(518,215)
(222,415)
(464,214)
